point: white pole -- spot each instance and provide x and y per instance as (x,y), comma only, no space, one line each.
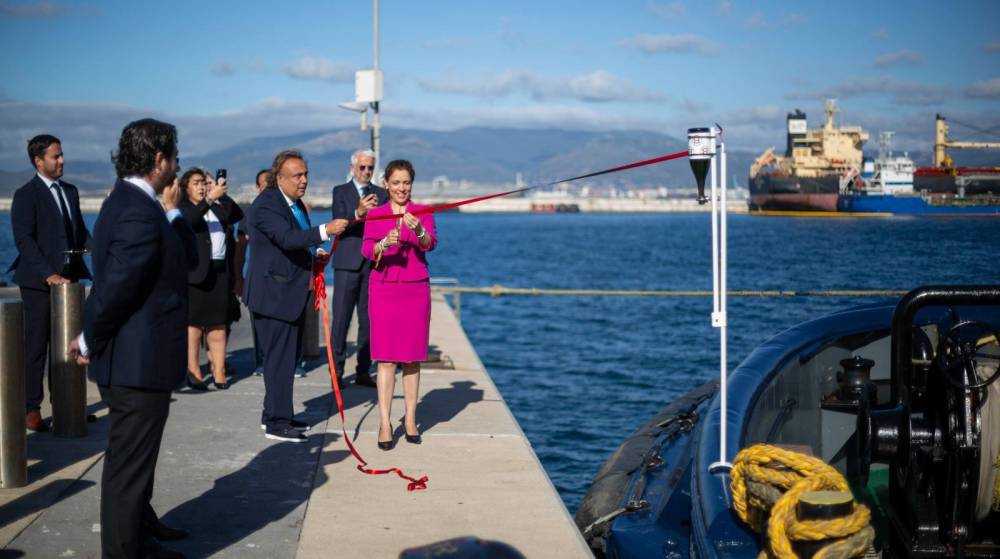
(719,318)
(377,119)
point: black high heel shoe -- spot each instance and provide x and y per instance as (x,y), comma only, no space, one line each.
(412,439)
(222,385)
(387,445)
(195,384)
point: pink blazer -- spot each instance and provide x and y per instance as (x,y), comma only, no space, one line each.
(406,261)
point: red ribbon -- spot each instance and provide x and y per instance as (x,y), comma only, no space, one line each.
(319,288)
(451,205)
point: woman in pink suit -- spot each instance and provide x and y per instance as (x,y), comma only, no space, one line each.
(399,296)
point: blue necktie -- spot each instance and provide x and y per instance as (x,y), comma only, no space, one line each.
(300,216)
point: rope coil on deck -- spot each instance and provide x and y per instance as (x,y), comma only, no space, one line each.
(768,484)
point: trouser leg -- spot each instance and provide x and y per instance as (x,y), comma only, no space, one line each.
(137,418)
(37,324)
(345,296)
(282,341)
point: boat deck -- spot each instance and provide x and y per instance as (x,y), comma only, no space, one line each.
(241,495)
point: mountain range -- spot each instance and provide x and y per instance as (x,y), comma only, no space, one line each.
(488,156)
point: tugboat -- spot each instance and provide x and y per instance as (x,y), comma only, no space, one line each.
(885,186)
(817,163)
(895,404)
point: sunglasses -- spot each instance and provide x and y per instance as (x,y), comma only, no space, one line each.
(366,167)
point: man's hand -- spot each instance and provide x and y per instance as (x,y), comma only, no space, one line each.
(74,353)
(172,196)
(56,279)
(218,190)
(367,203)
(336,227)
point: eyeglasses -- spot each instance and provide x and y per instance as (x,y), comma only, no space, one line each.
(366,167)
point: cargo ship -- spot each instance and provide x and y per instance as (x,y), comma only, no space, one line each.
(887,186)
(817,166)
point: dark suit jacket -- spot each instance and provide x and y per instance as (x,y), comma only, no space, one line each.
(135,319)
(228,213)
(39,234)
(277,283)
(345,202)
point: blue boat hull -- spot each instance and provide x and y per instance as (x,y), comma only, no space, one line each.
(909,205)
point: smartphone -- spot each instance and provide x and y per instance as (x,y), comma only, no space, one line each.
(220,174)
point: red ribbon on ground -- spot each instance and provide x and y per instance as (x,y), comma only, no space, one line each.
(319,287)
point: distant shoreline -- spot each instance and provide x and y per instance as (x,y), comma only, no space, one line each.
(567,204)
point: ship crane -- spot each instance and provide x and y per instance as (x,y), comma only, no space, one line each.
(941,142)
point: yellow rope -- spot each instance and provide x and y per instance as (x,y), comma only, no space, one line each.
(795,474)
(499,290)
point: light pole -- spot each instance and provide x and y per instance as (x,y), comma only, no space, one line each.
(368,94)
(707,153)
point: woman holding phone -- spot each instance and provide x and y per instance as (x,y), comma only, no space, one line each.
(399,299)
(212,215)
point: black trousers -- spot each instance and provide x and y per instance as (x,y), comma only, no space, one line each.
(137,420)
(350,289)
(282,343)
(37,323)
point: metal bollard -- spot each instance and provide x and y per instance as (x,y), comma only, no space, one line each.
(310,334)
(13,439)
(69,380)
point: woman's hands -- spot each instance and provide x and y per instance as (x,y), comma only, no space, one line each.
(413,224)
(391,239)
(216,190)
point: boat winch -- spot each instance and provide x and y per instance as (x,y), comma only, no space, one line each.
(939,433)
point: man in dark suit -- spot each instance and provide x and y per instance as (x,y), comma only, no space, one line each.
(241,260)
(134,330)
(276,288)
(50,236)
(352,200)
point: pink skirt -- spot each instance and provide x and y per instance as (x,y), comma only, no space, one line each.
(400,314)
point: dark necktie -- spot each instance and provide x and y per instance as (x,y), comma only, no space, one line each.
(67,222)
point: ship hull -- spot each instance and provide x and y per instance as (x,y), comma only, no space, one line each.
(916,205)
(782,193)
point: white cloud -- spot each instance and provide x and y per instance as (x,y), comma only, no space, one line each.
(596,86)
(986,89)
(757,20)
(321,69)
(671,10)
(222,69)
(686,43)
(903,92)
(44,9)
(897,58)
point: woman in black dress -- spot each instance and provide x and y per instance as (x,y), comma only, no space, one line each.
(212,214)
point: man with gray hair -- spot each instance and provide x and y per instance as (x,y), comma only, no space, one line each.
(352,200)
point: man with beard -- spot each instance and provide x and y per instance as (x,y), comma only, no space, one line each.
(135,330)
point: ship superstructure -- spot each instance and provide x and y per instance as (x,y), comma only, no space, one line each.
(818,164)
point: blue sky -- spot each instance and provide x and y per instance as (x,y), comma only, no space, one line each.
(227,71)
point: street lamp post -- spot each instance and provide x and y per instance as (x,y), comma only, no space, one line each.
(368,94)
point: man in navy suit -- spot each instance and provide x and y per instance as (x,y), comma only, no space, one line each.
(352,200)
(276,288)
(135,330)
(50,236)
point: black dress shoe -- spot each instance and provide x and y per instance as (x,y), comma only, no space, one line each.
(222,385)
(156,551)
(285,433)
(413,439)
(364,380)
(195,384)
(387,445)
(165,533)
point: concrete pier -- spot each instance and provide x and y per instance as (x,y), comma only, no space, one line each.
(241,495)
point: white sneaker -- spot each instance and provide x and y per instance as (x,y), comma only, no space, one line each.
(259,371)
(300,372)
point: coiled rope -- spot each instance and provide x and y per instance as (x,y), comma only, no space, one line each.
(767,484)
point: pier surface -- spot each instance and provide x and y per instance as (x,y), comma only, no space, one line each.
(241,495)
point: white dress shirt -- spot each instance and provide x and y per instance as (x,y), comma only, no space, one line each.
(322,228)
(56,194)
